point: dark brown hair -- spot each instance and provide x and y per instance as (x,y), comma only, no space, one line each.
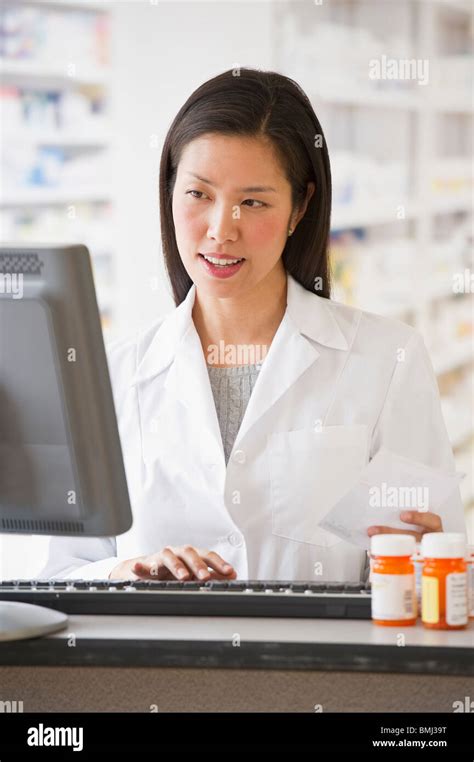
(260,104)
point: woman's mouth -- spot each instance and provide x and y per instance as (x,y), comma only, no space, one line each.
(221,268)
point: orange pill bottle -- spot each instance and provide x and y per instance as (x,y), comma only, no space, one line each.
(392,576)
(444,599)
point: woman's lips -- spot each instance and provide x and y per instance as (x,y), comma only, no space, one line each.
(220,271)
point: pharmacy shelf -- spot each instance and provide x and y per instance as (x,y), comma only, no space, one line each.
(450,104)
(55,196)
(99,139)
(72,5)
(43,75)
(462,202)
(374,99)
(371,213)
(464,6)
(401,310)
(382,99)
(441,288)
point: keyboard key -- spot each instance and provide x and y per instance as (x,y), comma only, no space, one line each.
(217,584)
(272,586)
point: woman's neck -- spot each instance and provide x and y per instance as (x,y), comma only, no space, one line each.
(239,331)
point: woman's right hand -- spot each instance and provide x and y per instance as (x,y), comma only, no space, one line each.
(183,562)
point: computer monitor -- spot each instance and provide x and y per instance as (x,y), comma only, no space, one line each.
(61,467)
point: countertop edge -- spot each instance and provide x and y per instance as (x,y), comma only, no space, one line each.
(436,660)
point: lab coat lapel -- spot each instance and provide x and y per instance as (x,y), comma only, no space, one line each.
(307,317)
(288,357)
(188,383)
(176,346)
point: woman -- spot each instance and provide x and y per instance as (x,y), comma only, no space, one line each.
(250,410)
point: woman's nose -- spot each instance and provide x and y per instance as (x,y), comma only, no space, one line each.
(223,226)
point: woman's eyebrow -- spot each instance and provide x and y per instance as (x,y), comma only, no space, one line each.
(248,189)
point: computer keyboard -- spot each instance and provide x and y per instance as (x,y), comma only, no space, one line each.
(246,598)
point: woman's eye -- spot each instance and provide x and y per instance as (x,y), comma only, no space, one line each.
(252,200)
(255,201)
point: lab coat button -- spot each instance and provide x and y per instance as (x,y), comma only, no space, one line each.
(235,539)
(239,456)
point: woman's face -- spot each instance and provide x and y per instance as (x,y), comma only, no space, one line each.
(230,197)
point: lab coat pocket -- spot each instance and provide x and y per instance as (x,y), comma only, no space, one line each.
(310,470)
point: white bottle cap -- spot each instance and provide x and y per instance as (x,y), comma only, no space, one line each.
(443,545)
(392,545)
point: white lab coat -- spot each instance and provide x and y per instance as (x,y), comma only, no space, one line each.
(330,392)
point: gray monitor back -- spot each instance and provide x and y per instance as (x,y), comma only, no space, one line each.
(61,467)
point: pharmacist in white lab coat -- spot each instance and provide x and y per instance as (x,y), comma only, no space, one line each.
(336,383)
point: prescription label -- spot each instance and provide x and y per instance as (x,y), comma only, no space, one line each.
(456,598)
(430,600)
(393,596)
(470,586)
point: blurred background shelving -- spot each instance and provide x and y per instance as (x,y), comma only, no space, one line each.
(89,89)
(56,135)
(401,158)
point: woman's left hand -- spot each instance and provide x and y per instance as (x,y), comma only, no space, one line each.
(426,521)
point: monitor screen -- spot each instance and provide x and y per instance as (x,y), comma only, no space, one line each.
(61,466)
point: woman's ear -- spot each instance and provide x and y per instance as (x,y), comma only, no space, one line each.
(310,188)
(309,192)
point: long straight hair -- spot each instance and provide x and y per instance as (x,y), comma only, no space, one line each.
(260,104)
